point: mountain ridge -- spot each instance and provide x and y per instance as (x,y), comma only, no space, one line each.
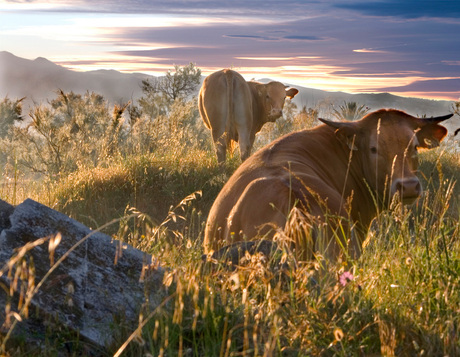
(39,79)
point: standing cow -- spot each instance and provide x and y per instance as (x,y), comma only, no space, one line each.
(335,177)
(236,110)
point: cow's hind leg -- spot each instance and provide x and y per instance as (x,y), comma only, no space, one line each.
(244,152)
(243,124)
(270,206)
(263,206)
(244,144)
(220,144)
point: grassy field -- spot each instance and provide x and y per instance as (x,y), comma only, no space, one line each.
(401,297)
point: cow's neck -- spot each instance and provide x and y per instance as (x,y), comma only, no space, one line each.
(353,183)
(366,202)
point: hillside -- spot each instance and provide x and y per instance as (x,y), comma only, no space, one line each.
(38,80)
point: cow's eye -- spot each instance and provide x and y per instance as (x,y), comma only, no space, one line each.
(373,150)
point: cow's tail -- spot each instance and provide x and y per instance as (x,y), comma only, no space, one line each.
(230,112)
(202,110)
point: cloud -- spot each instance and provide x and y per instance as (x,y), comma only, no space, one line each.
(303,38)
(273,8)
(328,44)
(452,63)
(409,9)
(274,38)
(368,50)
(252,37)
(274,58)
(447,85)
(241,8)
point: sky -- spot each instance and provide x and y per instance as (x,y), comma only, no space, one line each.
(406,47)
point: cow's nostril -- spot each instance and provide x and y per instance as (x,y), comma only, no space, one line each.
(408,188)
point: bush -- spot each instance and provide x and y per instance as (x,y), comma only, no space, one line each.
(74,131)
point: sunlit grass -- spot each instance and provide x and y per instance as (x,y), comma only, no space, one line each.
(15,189)
(150,183)
(401,297)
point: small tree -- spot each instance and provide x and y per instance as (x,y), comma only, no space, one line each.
(350,111)
(10,114)
(181,83)
(160,93)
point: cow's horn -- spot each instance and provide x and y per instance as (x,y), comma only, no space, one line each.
(335,124)
(438,119)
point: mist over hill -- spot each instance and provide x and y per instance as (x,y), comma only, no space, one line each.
(39,79)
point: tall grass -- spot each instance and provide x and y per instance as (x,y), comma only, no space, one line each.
(150,183)
(400,298)
(15,187)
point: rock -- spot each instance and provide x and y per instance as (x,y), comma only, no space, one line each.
(98,286)
(5,211)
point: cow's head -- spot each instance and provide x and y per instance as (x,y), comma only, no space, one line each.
(273,95)
(385,145)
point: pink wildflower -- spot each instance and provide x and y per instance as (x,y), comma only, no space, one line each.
(345,278)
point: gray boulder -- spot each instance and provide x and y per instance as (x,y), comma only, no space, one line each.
(101,284)
(5,211)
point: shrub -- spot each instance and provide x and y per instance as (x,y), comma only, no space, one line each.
(74,131)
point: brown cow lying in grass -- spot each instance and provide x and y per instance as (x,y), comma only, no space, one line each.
(321,188)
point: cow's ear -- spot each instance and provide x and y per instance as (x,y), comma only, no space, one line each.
(291,92)
(345,132)
(429,136)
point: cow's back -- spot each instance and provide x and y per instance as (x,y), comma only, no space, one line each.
(274,174)
(223,94)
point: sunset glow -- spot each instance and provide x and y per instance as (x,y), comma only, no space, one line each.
(317,45)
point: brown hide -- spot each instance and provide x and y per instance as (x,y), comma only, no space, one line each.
(235,110)
(339,173)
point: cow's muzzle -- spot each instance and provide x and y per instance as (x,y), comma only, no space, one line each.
(275,114)
(409,189)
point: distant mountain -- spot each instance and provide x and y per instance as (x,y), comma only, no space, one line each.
(323,100)
(39,79)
